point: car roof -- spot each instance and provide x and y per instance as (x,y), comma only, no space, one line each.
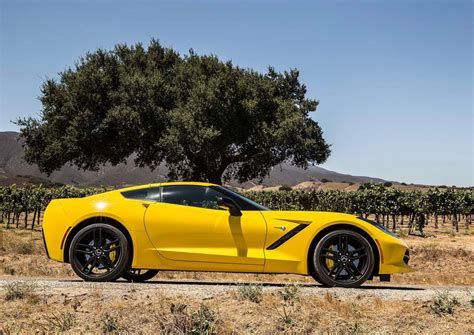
(171,183)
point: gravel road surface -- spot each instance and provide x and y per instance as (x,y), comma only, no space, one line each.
(213,289)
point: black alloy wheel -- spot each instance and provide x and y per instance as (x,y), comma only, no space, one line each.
(99,252)
(343,258)
(139,275)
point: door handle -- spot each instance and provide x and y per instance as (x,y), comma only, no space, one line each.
(283,228)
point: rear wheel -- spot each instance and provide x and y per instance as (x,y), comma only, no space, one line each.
(139,275)
(99,252)
(343,258)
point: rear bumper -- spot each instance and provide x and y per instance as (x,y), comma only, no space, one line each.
(55,227)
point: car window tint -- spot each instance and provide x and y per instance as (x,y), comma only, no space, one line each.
(149,193)
(186,195)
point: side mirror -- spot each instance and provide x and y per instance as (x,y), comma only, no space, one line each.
(230,205)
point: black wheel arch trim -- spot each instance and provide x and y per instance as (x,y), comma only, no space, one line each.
(92,220)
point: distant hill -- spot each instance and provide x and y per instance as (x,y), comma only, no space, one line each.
(14,169)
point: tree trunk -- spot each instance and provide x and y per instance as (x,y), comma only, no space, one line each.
(34,219)
(454,222)
(26,219)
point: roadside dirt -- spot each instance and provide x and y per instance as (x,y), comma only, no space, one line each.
(44,305)
(205,289)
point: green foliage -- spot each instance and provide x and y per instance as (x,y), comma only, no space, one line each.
(203,117)
(203,320)
(371,199)
(109,323)
(290,293)
(285,188)
(251,292)
(443,304)
(18,290)
(59,322)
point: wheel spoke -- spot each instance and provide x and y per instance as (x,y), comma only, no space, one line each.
(338,272)
(349,270)
(87,252)
(336,266)
(100,238)
(85,267)
(94,238)
(358,256)
(354,269)
(356,250)
(108,263)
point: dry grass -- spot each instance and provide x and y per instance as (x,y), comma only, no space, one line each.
(155,312)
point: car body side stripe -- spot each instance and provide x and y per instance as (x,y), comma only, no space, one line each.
(287,236)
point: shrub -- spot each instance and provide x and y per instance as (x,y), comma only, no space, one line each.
(109,323)
(387,184)
(18,290)
(285,188)
(25,248)
(204,320)
(443,303)
(325,180)
(253,293)
(290,293)
(59,322)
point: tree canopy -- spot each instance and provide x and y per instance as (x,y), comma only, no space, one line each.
(206,119)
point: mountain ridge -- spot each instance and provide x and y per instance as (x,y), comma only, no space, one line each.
(14,169)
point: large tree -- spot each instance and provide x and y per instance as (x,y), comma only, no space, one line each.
(204,118)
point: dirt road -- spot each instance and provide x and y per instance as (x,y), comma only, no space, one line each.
(213,289)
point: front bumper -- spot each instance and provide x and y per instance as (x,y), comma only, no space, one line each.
(395,256)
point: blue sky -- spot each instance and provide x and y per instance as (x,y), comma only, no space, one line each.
(394,78)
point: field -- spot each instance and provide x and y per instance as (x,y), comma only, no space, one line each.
(40,295)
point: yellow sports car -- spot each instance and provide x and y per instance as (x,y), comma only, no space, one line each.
(136,231)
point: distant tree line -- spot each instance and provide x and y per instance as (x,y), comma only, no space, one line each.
(22,207)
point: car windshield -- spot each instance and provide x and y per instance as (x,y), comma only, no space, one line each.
(244,203)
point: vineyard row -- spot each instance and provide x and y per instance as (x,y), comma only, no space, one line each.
(23,206)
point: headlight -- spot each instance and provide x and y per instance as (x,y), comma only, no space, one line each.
(379,226)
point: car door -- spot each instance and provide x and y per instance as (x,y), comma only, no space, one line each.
(187,225)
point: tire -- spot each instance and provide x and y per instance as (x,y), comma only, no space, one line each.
(99,252)
(343,258)
(139,275)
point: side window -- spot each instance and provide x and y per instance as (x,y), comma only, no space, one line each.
(187,195)
(149,193)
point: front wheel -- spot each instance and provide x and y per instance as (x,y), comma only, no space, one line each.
(99,252)
(343,258)
(139,275)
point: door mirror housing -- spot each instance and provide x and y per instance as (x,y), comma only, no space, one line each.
(230,205)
